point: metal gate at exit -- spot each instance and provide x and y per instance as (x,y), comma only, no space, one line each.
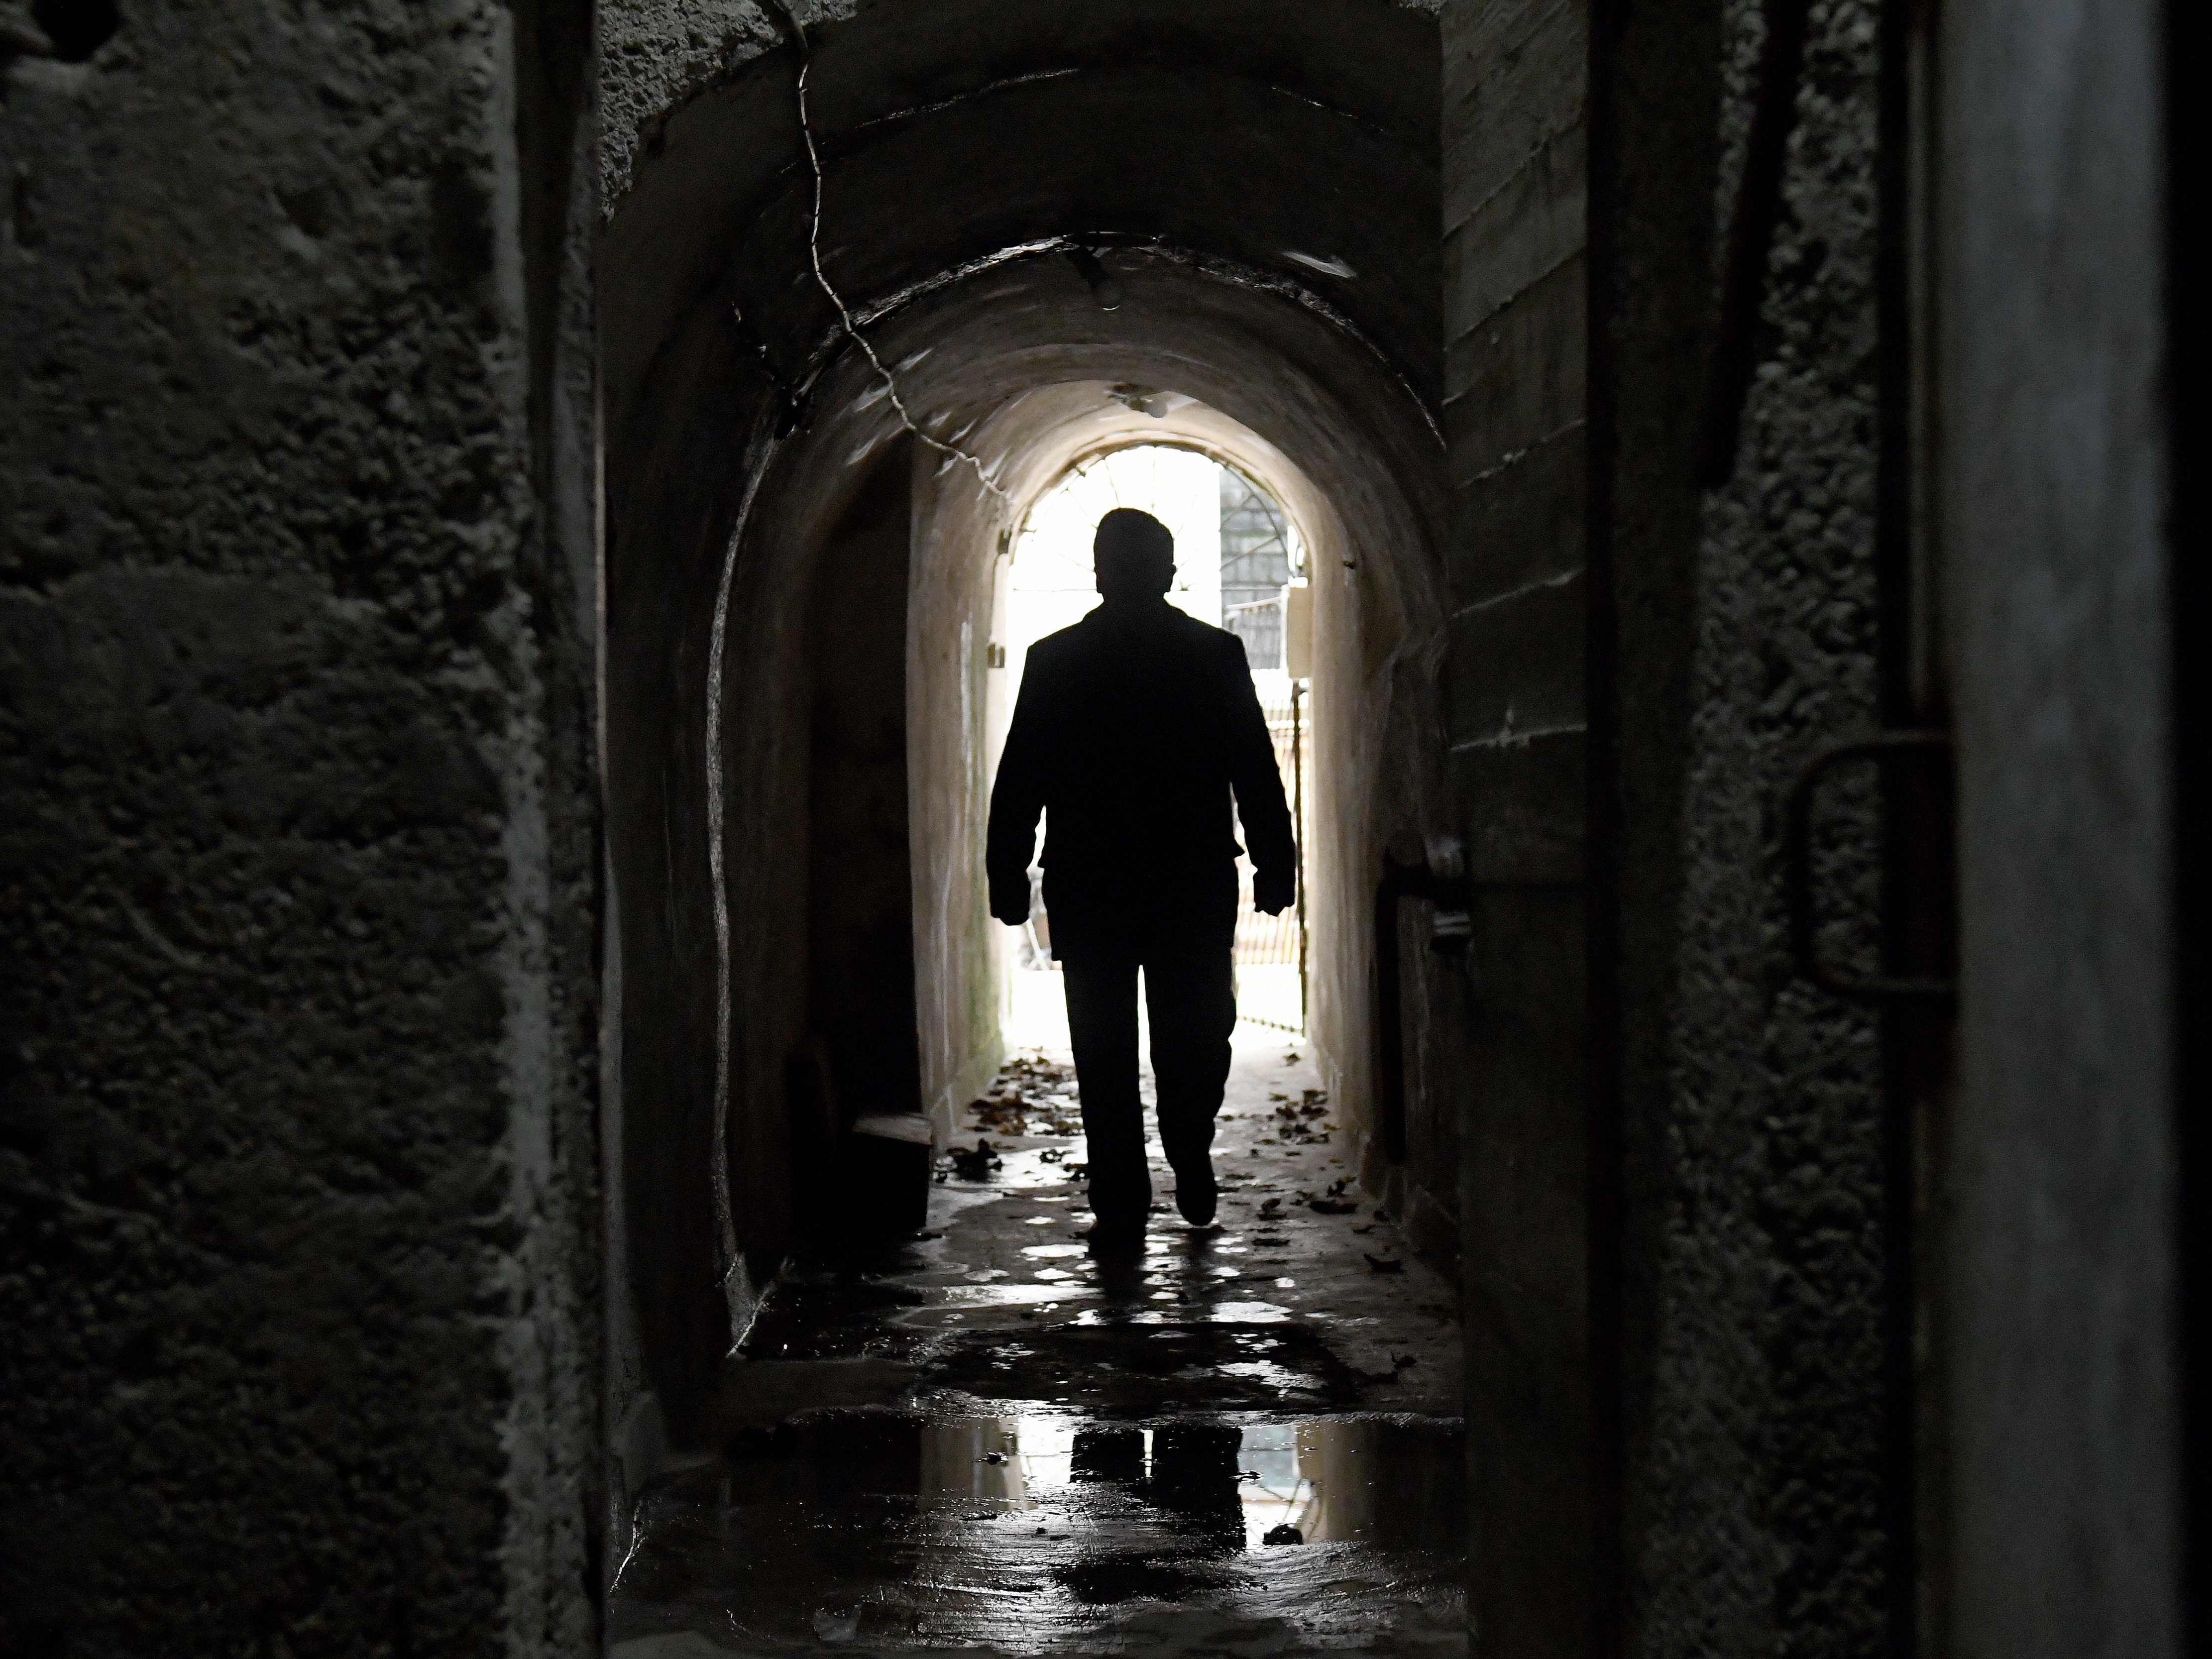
(1278,943)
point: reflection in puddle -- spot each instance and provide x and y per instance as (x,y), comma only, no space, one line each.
(1319,1478)
(1034,1529)
(997,1295)
(1269,1375)
(1219,1313)
(982,1438)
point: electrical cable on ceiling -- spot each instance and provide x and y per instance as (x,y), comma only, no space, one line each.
(951,452)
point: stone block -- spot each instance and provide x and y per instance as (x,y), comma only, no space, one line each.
(1521,377)
(1516,664)
(1536,220)
(1514,77)
(1525,804)
(1525,520)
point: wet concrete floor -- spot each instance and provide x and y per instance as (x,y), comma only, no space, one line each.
(1245,1440)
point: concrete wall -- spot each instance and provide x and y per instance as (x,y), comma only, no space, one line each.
(1375,785)
(955,572)
(663,1220)
(1514,141)
(299,1018)
(860,933)
(2061,1391)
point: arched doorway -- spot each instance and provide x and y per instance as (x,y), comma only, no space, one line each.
(1022,330)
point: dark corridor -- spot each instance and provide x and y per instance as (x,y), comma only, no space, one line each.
(502,504)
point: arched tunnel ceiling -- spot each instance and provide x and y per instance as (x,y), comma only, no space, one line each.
(1292,146)
(1019,367)
(657,57)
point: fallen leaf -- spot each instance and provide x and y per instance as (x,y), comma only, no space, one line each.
(977,1163)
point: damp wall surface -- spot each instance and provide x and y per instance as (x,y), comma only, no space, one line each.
(297,842)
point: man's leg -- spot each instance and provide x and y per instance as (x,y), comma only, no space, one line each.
(1194,1478)
(1102,1024)
(1114,1454)
(1191,995)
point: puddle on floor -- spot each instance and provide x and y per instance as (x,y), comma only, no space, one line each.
(1037,1531)
(982,1440)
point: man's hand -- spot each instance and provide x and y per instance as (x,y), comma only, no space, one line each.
(1010,901)
(1272,890)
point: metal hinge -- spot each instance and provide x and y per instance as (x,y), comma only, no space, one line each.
(1797,869)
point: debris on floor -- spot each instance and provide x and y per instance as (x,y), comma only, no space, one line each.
(1331,1203)
(1032,1096)
(976,1162)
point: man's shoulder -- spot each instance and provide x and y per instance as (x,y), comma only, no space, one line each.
(1189,632)
(1061,638)
(1218,642)
(1059,643)
(1094,634)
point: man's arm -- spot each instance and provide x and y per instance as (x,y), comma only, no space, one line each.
(1016,798)
(1258,782)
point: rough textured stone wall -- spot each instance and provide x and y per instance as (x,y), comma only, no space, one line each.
(656,55)
(296,847)
(1751,1251)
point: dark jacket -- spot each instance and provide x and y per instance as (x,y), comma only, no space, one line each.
(1131,731)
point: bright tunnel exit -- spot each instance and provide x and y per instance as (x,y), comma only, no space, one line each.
(1237,556)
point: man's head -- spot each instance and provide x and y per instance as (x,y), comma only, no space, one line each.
(1133,554)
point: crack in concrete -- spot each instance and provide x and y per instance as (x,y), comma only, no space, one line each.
(951,452)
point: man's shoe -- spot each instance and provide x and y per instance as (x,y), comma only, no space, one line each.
(1196,1195)
(1116,1238)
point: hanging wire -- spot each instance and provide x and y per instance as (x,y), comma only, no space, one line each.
(950,452)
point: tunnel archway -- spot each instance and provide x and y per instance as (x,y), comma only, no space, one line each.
(1056,245)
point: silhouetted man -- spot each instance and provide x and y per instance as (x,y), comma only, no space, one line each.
(1131,731)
